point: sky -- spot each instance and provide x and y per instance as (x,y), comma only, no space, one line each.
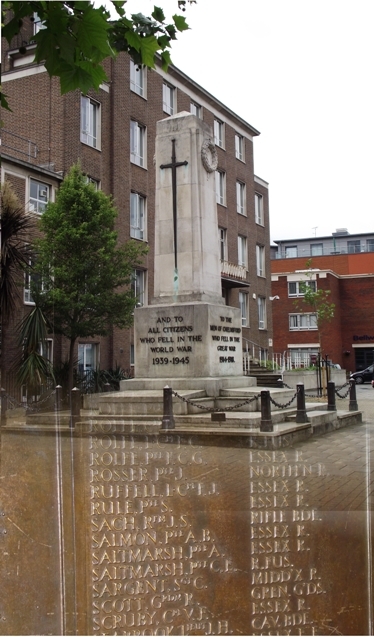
(301,73)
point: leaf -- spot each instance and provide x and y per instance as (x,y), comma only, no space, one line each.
(158,14)
(4,102)
(148,49)
(166,60)
(92,32)
(133,39)
(180,22)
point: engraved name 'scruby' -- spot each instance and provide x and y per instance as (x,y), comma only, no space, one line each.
(283,581)
(150,563)
(172,342)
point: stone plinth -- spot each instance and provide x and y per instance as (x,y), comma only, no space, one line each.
(188,340)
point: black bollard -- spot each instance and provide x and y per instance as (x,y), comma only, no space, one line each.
(353,406)
(168,421)
(266,422)
(75,407)
(331,405)
(280,383)
(107,387)
(301,416)
(58,398)
(3,403)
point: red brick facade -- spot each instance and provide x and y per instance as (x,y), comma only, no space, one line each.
(53,124)
(349,338)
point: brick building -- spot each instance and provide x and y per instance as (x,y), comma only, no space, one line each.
(112,133)
(342,264)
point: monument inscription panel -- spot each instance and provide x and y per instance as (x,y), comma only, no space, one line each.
(186,538)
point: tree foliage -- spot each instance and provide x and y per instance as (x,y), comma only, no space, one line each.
(17,230)
(77,36)
(85,276)
(34,369)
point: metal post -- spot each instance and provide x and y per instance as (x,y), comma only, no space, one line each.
(168,421)
(107,387)
(301,416)
(3,403)
(58,398)
(75,396)
(353,406)
(331,406)
(266,422)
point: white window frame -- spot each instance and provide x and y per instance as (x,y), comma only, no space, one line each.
(138,79)
(90,122)
(259,209)
(168,98)
(83,365)
(45,349)
(138,139)
(298,291)
(138,216)
(239,147)
(316,249)
(243,305)
(290,252)
(37,23)
(196,109)
(222,243)
(262,318)
(219,133)
(241,198)
(38,202)
(302,321)
(260,260)
(138,286)
(242,251)
(221,187)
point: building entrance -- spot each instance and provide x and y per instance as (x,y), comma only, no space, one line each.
(364,356)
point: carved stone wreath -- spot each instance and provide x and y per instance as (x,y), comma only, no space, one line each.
(209,156)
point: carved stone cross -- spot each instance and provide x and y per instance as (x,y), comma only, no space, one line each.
(174,165)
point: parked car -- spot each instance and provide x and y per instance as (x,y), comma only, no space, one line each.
(364,375)
(372,384)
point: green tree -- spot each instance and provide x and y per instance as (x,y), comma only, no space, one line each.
(317,301)
(85,276)
(77,36)
(33,370)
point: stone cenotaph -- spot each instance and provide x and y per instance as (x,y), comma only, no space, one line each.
(187,332)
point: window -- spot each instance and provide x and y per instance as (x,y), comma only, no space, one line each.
(240,198)
(90,122)
(195,109)
(370,245)
(303,321)
(260,260)
(38,24)
(354,245)
(243,304)
(137,143)
(45,349)
(168,98)
(32,280)
(242,251)
(94,182)
(219,131)
(137,78)
(138,287)
(296,288)
(259,211)
(239,147)
(316,249)
(87,357)
(220,187)
(290,252)
(137,217)
(39,196)
(222,244)
(261,301)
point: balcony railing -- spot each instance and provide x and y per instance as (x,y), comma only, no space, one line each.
(234,270)
(24,149)
(337,247)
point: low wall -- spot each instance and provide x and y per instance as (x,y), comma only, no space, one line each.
(309,378)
